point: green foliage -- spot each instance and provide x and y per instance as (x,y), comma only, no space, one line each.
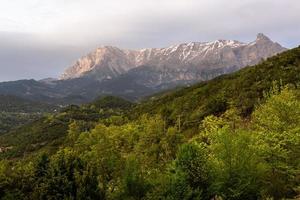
(112,102)
(229,158)
(192,173)
(13,120)
(202,142)
(50,132)
(98,150)
(192,160)
(64,176)
(16,112)
(241,90)
(13,104)
(134,183)
(236,165)
(277,123)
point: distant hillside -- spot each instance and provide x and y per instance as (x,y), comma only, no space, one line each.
(134,74)
(49,131)
(243,90)
(16,111)
(9,103)
(188,106)
(234,137)
(111,102)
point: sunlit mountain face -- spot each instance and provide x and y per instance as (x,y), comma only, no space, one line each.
(134,74)
(149,100)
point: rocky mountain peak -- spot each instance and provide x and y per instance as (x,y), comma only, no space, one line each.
(108,62)
(263,37)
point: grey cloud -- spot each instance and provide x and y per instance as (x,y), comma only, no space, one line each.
(22,57)
(67,29)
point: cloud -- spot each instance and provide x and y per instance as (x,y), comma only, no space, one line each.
(136,24)
(50,34)
(23,57)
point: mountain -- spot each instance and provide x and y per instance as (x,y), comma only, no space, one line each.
(205,141)
(133,74)
(242,90)
(189,62)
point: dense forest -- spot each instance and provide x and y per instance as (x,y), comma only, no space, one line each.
(234,137)
(16,111)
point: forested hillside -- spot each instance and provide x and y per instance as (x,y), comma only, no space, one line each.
(48,132)
(234,137)
(241,90)
(16,111)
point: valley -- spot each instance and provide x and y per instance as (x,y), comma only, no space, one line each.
(149,100)
(134,75)
(232,137)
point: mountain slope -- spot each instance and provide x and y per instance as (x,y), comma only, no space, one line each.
(15,112)
(9,103)
(188,106)
(242,89)
(187,62)
(133,74)
(49,132)
(29,89)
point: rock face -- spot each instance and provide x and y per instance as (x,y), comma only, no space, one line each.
(181,63)
(105,63)
(133,74)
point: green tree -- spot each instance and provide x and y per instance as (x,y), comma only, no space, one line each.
(190,176)
(157,144)
(236,166)
(75,129)
(99,150)
(277,123)
(60,181)
(233,158)
(134,185)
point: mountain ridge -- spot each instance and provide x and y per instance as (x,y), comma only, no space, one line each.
(133,74)
(109,62)
(242,90)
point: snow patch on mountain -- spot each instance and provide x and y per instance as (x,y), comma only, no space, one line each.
(108,62)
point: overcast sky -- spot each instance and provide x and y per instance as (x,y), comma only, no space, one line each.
(40,38)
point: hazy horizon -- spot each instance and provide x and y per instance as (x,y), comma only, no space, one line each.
(39,39)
